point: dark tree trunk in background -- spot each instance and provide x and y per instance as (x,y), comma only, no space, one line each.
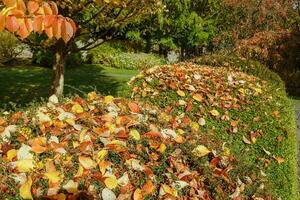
(59,63)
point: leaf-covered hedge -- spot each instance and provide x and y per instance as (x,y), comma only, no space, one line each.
(191,132)
(247,122)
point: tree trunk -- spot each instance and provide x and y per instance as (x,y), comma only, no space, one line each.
(59,63)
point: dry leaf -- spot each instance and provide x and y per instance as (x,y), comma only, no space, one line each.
(201,151)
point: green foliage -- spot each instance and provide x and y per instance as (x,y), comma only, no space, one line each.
(115,57)
(10,47)
(44,58)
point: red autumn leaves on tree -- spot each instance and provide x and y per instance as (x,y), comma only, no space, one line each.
(36,16)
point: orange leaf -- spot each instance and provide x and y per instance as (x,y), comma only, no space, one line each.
(148,188)
(9,3)
(49,20)
(2,22)
(12,24)
(47,9)
(66,30)
(28,24)
(17,13)
(54,8)
(21,5)
(38,23)
(133,107)
(23,32)
(152,134)
(57,28)
(32,6)
(49,32)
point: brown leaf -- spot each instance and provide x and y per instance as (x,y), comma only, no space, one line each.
(148,188)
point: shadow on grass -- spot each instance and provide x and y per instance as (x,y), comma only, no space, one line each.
(24,84)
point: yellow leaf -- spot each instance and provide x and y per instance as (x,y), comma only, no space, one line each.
(77,109)
(87,162)
(25,165)
(70,121)
(215,113)
(135,134)
(11,154)
(195,126)
(181,93)
(54,177)
(108,99)
(198,97)
(201,151)
(75,144)
(102,154)
(242,90)
(180,132)
(25,189)
(137,195)
(167,189)
(79,171)
(258,90)
(227,151)
(71,186)
(162,148)
(92,96)
(111,182)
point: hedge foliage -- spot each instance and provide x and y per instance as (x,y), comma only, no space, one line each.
(118,58)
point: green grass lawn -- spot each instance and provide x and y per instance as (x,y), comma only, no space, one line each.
(23,84)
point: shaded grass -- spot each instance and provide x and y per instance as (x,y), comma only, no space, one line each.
(23,84)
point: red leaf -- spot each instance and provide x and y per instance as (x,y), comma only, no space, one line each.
(12,24)
(33,7)
(133,107)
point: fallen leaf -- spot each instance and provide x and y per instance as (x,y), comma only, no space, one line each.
(111,182)
(11,154)
(54,177)
(202,122)
(214,113)
(25,189)
(198,97)
(135,134)
(137,195)
(71,186)
(92,96)
(246,140)
(87,162)
(280,160)
(108,99)
(148,188)
(77,109)
(133,107)
(181,93)
(168,190)
(107,194)
(201,151)
(25,165)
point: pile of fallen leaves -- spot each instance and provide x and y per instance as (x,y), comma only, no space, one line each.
(102,147)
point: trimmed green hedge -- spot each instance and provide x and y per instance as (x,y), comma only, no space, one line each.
(248,121)
(118,58)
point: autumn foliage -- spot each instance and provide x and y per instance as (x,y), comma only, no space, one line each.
(35,16)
